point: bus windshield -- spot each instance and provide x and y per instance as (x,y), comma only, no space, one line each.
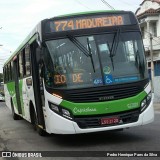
(68,66)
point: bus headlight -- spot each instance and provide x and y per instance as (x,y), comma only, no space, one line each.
(66,113)
(143,104)
(60,110)
(149,96)
(54,107)
(146,101)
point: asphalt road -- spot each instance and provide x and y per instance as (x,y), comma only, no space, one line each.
(20,136)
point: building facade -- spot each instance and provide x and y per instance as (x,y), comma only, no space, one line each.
(148,15)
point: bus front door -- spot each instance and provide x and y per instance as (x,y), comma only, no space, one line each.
(37,84)
(16,79)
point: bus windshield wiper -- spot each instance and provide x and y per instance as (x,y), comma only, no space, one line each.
(79,45)
(90,54)
(86,51)
(114,46)
(115,43)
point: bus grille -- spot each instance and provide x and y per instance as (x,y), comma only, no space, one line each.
(107,93)
(94,122)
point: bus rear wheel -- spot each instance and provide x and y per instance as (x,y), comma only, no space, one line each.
(40,131)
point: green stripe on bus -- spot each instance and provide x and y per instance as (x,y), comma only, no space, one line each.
(104,107)
(11,90)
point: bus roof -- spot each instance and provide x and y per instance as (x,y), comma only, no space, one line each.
(89,12)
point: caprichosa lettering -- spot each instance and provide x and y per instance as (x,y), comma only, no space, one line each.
(83,110)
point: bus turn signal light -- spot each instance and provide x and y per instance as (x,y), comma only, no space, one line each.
(56,95)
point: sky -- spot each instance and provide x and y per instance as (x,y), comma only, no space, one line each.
(19,17)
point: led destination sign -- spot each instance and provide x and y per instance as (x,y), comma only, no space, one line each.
(73,78)
(89,22)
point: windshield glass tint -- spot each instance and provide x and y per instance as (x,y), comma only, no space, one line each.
(96,60)
(69,66)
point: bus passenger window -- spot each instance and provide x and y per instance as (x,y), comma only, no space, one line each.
(20,66)
(27,61)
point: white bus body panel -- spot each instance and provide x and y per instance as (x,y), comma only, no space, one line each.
(27,96)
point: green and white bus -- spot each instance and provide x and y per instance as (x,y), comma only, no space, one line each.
(81,73)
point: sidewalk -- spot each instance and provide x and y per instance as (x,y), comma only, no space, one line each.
(156,106)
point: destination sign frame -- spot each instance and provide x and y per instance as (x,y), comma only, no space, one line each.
(88,22)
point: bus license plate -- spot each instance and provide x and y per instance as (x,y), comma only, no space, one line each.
(113,120)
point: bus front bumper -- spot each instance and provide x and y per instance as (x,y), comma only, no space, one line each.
(61,125)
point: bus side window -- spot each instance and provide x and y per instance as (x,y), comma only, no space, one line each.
(23,62)
(10,68)
(7,72)
(27,61)
(4,74)
(20,65)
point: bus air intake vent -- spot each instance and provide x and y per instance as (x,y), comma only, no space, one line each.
(105,93)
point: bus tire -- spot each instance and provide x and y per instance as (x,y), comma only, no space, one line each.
(40,131)
(14,115)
